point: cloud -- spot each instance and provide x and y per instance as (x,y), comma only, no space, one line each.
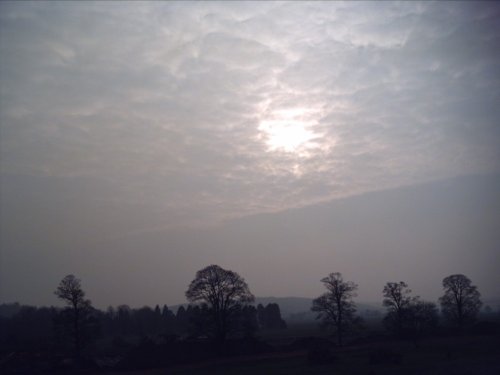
(159,104)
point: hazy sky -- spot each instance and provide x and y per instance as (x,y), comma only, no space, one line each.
(142,141)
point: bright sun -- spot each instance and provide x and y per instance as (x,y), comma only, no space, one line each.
(288,130)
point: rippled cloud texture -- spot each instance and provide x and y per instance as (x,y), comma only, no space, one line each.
(128,117)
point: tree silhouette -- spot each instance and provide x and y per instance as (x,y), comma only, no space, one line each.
(335,307)
(461,301)
(422,317)
(78,309)
(397,299)
(269,317)
(181,320)
(168,320)
(224,292)
(249,321)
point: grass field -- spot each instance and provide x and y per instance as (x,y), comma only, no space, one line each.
(458,355)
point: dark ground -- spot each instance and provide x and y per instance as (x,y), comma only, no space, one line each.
(457,356)
(306,349)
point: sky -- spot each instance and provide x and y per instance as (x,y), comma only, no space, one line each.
(142,141)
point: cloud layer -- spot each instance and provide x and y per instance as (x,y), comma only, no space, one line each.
(163,101)
(119,118)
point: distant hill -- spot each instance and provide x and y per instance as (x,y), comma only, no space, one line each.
(299,308)
(288,305)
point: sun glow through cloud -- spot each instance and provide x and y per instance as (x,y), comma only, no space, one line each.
(289,130)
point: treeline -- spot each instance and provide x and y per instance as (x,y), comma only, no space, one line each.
(29,327)
(220,319)
(408,316)
(188,321)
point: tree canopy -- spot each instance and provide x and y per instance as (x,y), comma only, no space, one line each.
(335,307)
(224,292)
(75,317)
(461,301)
(398,301)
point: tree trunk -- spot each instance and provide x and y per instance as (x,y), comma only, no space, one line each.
(77,333)
(339,334)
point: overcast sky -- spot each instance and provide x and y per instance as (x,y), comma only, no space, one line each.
(142,141)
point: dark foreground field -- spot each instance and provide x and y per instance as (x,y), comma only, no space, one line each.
(299,349)
(450,355)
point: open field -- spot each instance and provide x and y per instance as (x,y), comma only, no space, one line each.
(449,355)
(301,348)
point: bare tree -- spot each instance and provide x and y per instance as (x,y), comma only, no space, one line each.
(70,291)
(225,292)
(422,317)
(461,301)
(397,299)
(335,307)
